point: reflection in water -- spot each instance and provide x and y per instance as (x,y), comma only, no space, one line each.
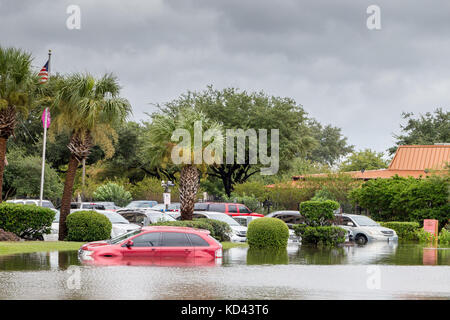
(267,256)
(300,272)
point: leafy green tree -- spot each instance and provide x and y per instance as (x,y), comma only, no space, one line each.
(235,109)
(87,109)
(397,199)
(23,176)
(331,144)
(428,128)
(17,86)
(364,159)
(113,192)
(162,148)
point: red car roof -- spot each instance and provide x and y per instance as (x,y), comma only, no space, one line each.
(172,228)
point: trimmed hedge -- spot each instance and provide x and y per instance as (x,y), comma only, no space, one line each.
(299,229)
(222,230)
(26,221)
(88,226)
(324,235)
(404,230)
(267,233)
(318,213)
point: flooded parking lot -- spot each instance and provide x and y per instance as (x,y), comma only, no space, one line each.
(374,271)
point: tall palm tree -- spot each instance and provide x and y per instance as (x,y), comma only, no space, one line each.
(161,146)
(88,109)
(17,83)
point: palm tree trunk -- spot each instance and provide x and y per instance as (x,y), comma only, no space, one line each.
(188,190)
(2,164)
(67,196)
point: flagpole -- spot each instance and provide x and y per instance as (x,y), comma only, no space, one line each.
(41,195)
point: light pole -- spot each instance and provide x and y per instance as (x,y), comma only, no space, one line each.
(166,193)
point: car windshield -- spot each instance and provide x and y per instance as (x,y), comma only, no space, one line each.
(224,218)
(124,236)
(108,205)
(156,216)
(364,221)
(48,204)
(161,206)
(140,204)
(115,217)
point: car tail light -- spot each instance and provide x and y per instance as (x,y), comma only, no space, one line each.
(218,253)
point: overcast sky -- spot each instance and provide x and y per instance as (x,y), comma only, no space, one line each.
(320,53)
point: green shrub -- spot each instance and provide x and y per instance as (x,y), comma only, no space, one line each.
(404,230)
(324,235)
(196,223)
(425,236)
(113,192)
(439,213)
(222,230)
(299,229)
(267,233)
(267,256)
(26,221)
(88,226)
(318,213)
(444,236)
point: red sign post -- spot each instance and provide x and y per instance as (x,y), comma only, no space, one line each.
(431,226)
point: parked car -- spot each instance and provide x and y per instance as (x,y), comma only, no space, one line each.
(239,232)
(245,220)
(145,217)
(155,245)
(86,206)
(363,229)
(120,225)
(290,217)
(173,207)
(231,209)
(141,204)
(45,203)
(111,206)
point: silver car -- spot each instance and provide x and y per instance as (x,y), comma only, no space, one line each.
(363,229)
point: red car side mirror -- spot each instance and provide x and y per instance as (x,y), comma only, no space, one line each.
(129,243)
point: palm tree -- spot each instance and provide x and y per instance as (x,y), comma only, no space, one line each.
(17,83)
(162,147)
(88,109)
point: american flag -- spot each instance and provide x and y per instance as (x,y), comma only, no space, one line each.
(43,74)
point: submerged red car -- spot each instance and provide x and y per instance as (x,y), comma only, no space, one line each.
(155,245)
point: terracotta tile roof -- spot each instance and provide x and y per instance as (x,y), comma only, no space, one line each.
(409,161)
(420,157)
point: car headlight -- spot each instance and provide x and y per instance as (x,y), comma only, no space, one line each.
(86,254)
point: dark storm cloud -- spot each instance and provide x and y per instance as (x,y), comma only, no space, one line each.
(318,52)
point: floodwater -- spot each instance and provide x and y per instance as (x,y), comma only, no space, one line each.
(374,271)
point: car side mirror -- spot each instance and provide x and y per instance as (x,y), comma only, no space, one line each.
(350,224)
(129,243)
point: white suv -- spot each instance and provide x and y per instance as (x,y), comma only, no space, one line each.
(363,229)
(45,203)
